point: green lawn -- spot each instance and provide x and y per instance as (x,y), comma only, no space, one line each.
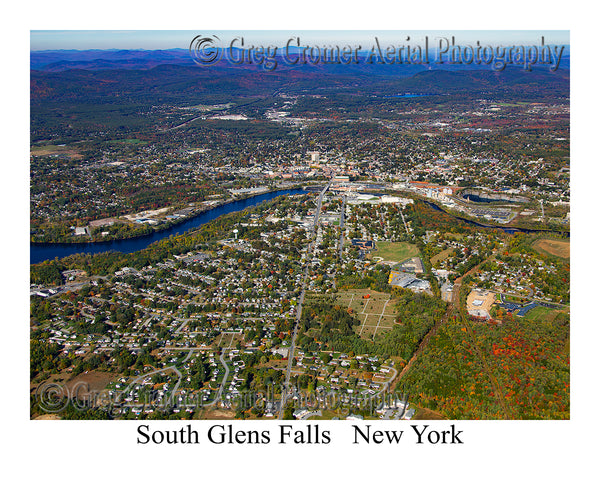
(396,251)
(539,313)
(516,104)
(513,299)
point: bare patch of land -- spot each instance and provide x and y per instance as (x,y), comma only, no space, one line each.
(47,416)
(91,382)
(218,415)
(560,248)
(47,150)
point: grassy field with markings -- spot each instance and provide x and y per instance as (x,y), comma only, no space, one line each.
(376,313)
(396,251)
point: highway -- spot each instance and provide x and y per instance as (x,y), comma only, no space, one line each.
(288,371)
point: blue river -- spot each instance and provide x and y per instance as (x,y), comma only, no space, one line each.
(38,252)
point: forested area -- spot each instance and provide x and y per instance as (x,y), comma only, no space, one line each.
(333,327)
(528,358)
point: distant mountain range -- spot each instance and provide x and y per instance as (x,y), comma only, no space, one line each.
(61,60)
(170,76)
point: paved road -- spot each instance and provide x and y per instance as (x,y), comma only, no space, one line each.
(342,214)
(224,363)
(137,379)
(222,386)
(176,387)
(288,371)
(404,221)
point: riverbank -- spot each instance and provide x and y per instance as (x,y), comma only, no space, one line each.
(39,253)
(85,240)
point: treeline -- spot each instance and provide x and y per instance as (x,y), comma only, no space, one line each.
(375,279)
(46,273)
(43,357)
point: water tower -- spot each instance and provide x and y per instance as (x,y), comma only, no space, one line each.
(235,232)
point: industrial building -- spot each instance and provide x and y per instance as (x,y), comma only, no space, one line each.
(409,281)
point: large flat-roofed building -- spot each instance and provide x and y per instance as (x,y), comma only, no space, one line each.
(446,291)
(341,179)
(392,199)
(409,281)
(362,244)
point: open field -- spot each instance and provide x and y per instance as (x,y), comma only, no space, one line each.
(515,104)
(47,416)
(376,313)
(441,256)
(45,150)
(82,384)
(85,383)
(541,313)
(559,248)
(129,141)
(396,251)
(216,414)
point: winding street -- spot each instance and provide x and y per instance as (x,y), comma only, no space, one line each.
(219,394)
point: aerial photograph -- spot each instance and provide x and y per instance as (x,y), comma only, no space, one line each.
(299,225)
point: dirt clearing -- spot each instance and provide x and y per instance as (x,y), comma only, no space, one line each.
(560,248)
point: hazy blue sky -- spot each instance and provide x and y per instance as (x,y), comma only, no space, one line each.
(165,39)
